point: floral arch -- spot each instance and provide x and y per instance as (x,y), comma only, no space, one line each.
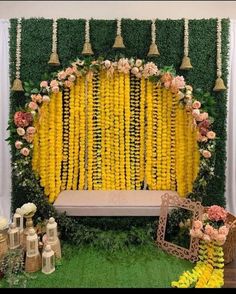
(112,125)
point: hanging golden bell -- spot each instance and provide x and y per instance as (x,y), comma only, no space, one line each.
(186,64)
(118,42)
(17,86)
(87,50)
(153,50)
(54,59)
(219,85)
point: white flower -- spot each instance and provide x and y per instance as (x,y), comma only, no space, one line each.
(19,211)
(3,223)
(28,208)
(138,62)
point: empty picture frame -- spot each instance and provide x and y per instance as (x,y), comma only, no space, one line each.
(173,201)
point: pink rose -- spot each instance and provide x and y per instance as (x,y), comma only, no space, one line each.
(25,151)
(38,98)
(139,75)
(31,130)
(32,105)
(167,84)
(209,230)
(68,84)
(107,63)
(196,233)
(55,89)
(18,144)
(22,119)
(216,213)
(33,97)
(178,82)
(211,135)
(150,69)
(196,112)
(224,230)
(135,70)
(61,75)
(20,131)
(206,153)
(46,98)
(204,115)
(71,78)
(69,71)
(43,84)
(138,62)
(220,238)
(196,104)
(197,224)
(29,137)
(54,83)
(206,238)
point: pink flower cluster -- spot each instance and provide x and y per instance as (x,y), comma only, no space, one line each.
(208,229)
(173,83)
(23,119)
(217,213)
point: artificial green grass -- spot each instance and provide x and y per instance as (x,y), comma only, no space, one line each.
(88,267)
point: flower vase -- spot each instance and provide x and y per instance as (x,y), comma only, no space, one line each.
(28,224)
(3,244)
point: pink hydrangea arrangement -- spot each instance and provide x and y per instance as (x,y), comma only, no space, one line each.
(213,225)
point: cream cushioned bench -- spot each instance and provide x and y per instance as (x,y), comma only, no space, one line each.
(110,203)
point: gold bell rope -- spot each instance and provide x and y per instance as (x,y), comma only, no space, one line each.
(153,50)
(118,40)
(87,49)
(17,83)
(186,63)
(54,59)
(219,84)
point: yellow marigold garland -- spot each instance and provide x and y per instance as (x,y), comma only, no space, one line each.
(168,140)
(137,132)
(71,138)
(36,151)
(97,159)
(142,129)
(173,144)
(51,150)
(90,134)
(66,114)
(107,132)
(154,137)
(149,109)
(82,135)
(103,130)
(132,131)
(208,271)
(58,141)
(121,130)
(159,137)
(116,131)
(112,136)
(164,146)
(77,98)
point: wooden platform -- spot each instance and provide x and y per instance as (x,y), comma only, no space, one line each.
(110,203)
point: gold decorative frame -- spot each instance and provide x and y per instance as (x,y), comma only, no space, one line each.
(169,201)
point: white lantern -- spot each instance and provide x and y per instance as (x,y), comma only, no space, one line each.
(51,230)
(14,236)
(52,237)
(18,220)
(48,260)
(32,248)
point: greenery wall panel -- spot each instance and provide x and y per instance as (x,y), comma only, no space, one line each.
(36,49)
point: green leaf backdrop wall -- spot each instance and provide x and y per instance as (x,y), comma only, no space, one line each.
(36,50)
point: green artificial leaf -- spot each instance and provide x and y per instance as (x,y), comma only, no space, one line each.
(35,91)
